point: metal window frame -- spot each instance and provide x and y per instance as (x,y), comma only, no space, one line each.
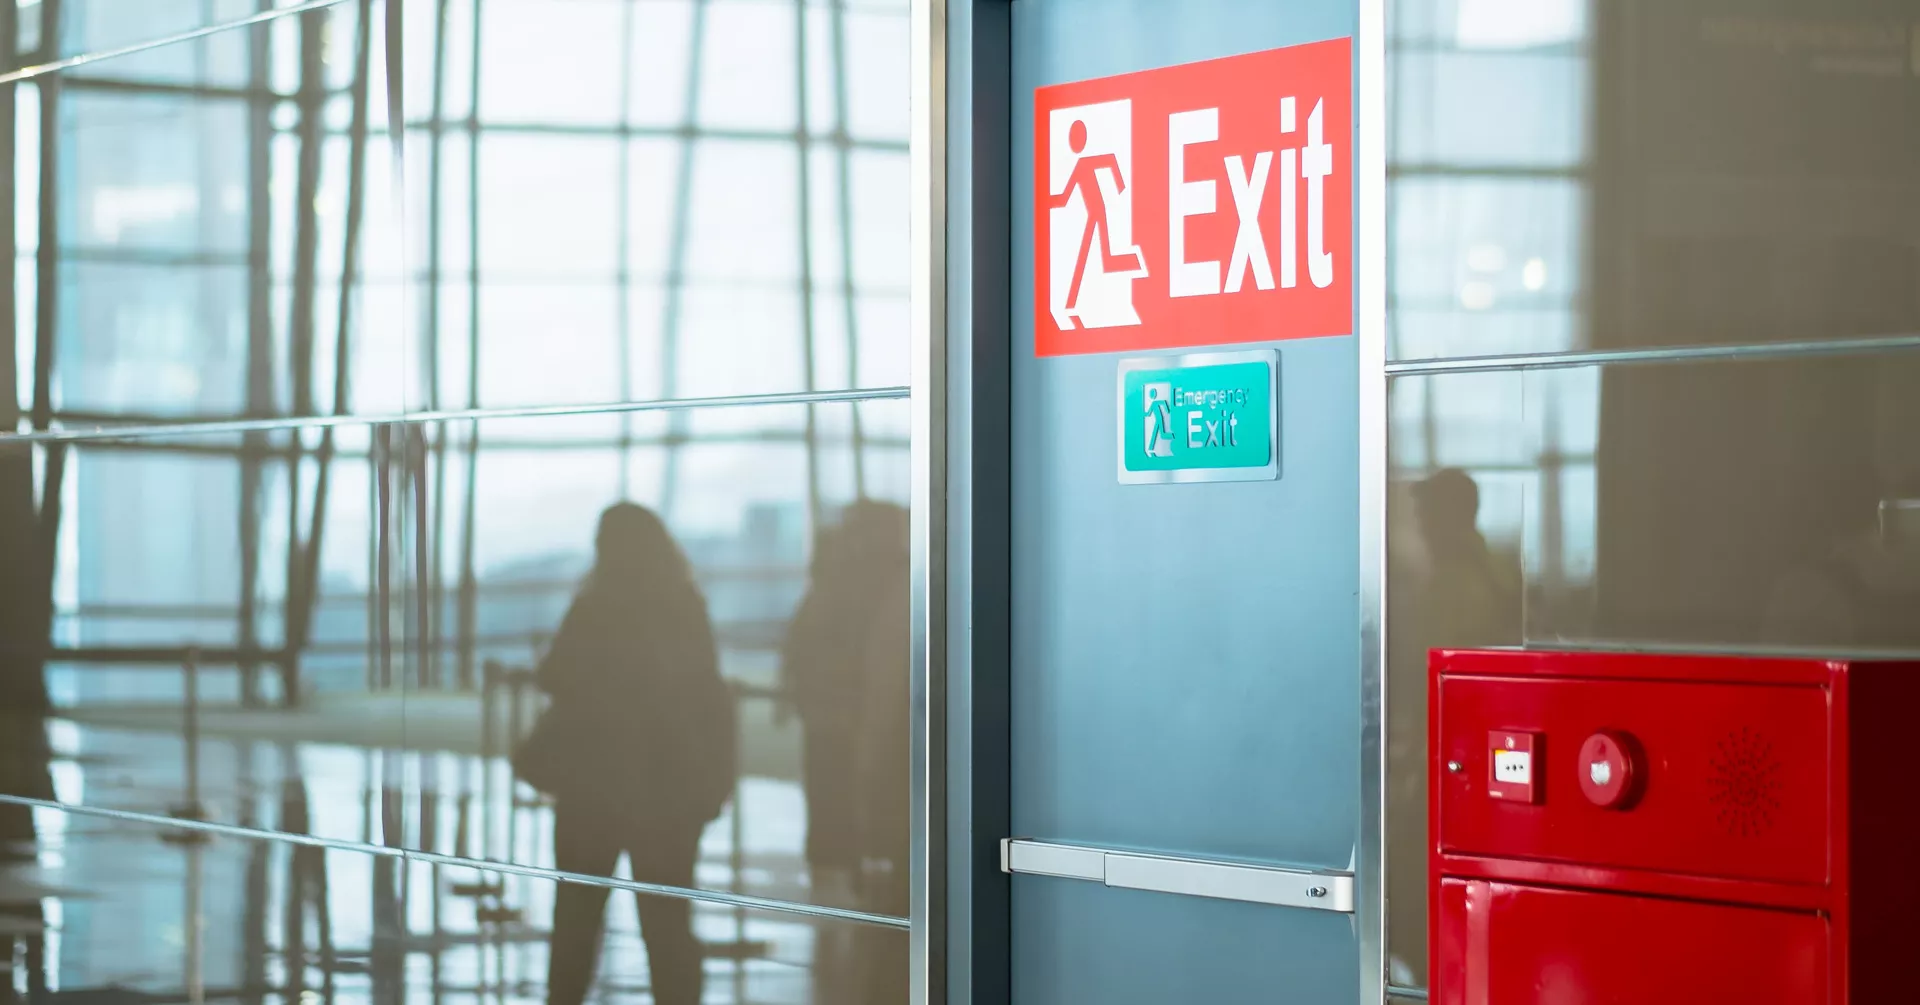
(976,939)
(927,216)
(1370,330)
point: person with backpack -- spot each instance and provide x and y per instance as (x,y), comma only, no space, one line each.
(637,748)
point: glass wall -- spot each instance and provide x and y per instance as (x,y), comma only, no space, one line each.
(1654,342)
(454,467)
(160,914)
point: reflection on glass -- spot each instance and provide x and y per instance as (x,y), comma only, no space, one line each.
(359,632)
(1491,124)
(351,632)
(272,667)
(636,747)
(841,663)
(1734,505)
(627,218)
(91,26)
(100,908)
(202,202)
(1567,174)
(1576,175)
(789,522)
(196,628)
(1449,587)
(1763,502)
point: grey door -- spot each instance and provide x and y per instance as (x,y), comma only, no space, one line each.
(1185,658)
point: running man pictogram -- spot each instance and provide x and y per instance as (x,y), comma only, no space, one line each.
(1087,196)
(1086,181)
(1157,424)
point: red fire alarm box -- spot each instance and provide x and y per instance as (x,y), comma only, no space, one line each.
(1670,830)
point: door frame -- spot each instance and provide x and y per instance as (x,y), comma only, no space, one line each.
(962,363)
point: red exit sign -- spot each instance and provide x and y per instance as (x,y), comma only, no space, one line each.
(1202,204)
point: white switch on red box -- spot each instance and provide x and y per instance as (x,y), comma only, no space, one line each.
(1514,762)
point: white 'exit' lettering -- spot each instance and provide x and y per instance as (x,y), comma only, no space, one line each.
(1248,190)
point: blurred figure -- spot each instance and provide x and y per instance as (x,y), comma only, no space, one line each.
(883,762)
(637,748)
(1450,590)
(26,612)
(1470,595)
(838,671)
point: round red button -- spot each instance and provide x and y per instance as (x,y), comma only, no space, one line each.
(1608,772)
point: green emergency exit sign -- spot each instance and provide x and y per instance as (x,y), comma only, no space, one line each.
(1199,417)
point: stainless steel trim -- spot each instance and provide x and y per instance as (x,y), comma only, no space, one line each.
(1725,649)
(1406,993)
(1226,881)
(1370,279)
(1669,354)
(224,427)
(455,861)
(1268,472)
(825,136)
(927,225)
(1314,890)
(42,69)
(1065,861)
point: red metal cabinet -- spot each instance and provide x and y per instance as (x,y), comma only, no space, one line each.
(1660,830)
(1578,946)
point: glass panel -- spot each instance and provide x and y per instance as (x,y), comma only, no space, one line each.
(552,63)
(90,26)
(98,907)
(221,60)
(875,43)
(197,235)
(215,623)
(1453,578)
(94,907)
(1487,24)
(1489,108)
(657,221)
(568,942)
(689,623)
(747,66)
(1567,174)
(660,60)
(1740,504)
(1485,266)
(1574,175)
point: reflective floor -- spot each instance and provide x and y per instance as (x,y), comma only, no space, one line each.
(431,800)
(107,910)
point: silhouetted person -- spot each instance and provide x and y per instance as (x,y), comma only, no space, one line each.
(826,663)
(883,758)
(26,618)
(1471,596)
(637,748)
(1450,590)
